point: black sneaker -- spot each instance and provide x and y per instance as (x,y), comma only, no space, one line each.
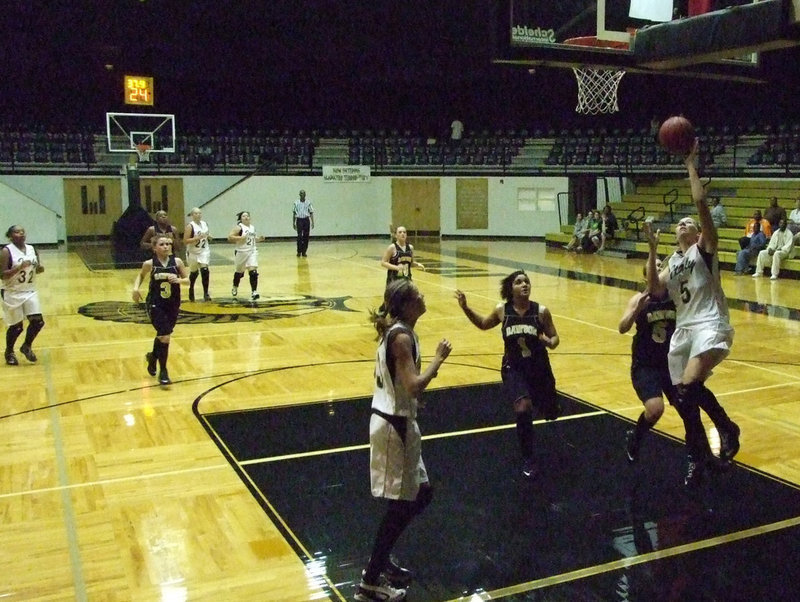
(151,363)
(28,353)
(396,574)
(528,469)
(11,359)
(631,445)
(729,442)
(382,591)
(694,473)
(254,296)
(206,297)
(191,294)
(163,378)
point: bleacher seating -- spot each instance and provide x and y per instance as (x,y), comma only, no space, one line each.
(725,150)
(739,196)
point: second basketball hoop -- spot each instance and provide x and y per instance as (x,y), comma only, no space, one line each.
(143,152)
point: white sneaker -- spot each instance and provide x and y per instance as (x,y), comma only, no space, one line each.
(757,275)
(381,591)
(234,291)
(773,277)
(254,295)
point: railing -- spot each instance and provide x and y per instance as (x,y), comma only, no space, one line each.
(634,217)
(669,199)
(735,162)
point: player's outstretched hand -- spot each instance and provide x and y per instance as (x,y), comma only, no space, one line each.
(652,237)
(462,298)
(443,349)
(641,303)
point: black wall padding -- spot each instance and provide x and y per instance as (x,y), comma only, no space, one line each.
(681,42)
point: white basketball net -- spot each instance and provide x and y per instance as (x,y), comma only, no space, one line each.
(597,90)
(143,152)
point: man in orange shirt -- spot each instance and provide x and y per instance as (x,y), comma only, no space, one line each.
(766,228)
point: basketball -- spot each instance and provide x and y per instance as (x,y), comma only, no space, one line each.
(676,135)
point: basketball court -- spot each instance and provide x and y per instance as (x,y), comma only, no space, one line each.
(247,477)
(248,474)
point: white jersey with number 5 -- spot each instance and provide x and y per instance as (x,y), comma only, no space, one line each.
(694,285)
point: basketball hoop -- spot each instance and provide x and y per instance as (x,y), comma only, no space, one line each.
(597,86)
(143,152)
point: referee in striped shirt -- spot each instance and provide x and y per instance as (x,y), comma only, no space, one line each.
(302,222)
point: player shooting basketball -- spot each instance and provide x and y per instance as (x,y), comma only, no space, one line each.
(703,336)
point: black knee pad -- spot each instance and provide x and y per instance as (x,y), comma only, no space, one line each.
(689,394)
(15,329)
(36,321)
(204,270)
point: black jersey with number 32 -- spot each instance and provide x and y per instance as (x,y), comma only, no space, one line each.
(521,334)
(161,293)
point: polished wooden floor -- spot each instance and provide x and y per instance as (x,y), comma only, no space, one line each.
(111,489)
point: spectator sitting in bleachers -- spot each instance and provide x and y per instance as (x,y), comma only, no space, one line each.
(756,244)
(579,232)
(749,229)
(718,215)
(609,227)
(774,214)
(794,219)
(592,240)
(780,247)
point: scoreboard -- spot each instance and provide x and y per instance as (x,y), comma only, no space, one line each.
(139,90)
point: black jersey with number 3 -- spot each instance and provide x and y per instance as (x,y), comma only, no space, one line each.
(161,293)
(654,327)
(521,333)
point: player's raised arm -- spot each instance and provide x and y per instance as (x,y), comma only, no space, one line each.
(709,238)
(656,283)
(482,322)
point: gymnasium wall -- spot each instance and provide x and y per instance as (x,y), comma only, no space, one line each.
(341,209)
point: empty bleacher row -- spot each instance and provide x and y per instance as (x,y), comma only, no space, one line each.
(395,148)
(780,146)
(633,147)
(43,146)
(241,147)
(730,150)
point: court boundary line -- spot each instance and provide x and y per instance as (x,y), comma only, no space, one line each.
(633,561)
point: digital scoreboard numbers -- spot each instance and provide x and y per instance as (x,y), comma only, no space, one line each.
(138,90)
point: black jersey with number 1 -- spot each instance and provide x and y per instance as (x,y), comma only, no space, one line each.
(521,333)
